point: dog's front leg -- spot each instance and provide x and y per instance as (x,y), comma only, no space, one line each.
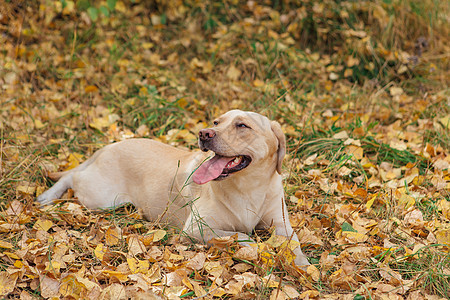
(278,217)
(285,229)
(204,233)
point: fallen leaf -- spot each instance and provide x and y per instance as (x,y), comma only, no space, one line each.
(233,73)
(135,246)
(313,272)
(157,234)
(7,282)
(112,236)
(247,253)
(443,236)
(138,266)
(43,225)
(356,151)
(100,251)
(6,245)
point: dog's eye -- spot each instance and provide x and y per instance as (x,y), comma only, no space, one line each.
(215,123)
(242,125)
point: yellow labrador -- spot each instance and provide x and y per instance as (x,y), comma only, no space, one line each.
(234,191)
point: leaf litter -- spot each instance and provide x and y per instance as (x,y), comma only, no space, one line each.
(366,176)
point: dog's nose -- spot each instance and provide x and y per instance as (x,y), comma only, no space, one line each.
(206,134)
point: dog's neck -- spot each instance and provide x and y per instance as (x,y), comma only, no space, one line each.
(249,204)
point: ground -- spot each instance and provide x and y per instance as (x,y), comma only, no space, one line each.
(361,92)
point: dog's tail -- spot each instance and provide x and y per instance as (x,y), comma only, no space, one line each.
(55,176)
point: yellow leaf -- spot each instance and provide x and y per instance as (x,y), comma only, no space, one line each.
(18,264)
(395,91)
(287,254)
(352,61)
(398,145)
(182,102)
(445,121)
(354,237)
(73,160)
(291,244)
(208,67)
(5,245)
(147,45)
(7,282)
(333,76)
(314,272)
(49,287)
(143,91)
(267,258)
(187,283)
(356,151)
(138,266)
(38,124)
(271,281)
(310,294)
(258,83)
(90,89)
(291,292)
(175,257)
(360,34)
(213,268)
(53,266)
(70,287)
(443,236)
(233,73)
(112,236)
(199,291)
(43,225)
(444,206)
(119,275)
(100,251)
(11,227)
(406,201)
(175,135)
(11,255)
(25,189)
(197,262)
(411,174)
(100,123)
(276,241)
(370,202)
(348,72)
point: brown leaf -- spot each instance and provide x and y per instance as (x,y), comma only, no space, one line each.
(135,246)
(247,253)
(49,287)
(113,235)
(197,262)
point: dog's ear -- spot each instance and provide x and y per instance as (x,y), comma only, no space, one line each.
(276,128)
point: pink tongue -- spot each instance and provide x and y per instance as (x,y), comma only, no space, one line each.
(210,169)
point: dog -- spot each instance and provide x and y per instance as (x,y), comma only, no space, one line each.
(236,190)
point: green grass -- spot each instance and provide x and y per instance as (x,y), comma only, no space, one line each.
(427,269)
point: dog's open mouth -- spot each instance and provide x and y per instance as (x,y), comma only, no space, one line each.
(220,167)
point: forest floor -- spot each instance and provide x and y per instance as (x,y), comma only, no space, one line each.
(361,92)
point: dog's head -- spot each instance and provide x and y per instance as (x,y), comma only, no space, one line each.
(240,140)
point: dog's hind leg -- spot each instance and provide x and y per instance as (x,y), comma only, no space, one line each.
(56,191)
(64,181)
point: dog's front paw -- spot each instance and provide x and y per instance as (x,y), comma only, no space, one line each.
(302,262)
(46,197)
